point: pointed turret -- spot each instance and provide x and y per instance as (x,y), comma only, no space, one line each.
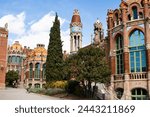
(75,32)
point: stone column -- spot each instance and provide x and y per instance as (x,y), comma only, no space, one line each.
(127,94)
(33,73)
(80,40)
(73,44)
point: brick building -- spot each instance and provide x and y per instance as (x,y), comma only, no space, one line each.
(15,58)
(129,49)
(29,63)
(34,67)
(3,55)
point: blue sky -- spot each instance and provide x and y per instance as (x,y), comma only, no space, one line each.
(29,21)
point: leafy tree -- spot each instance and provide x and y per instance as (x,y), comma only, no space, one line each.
(89,65)
(93,66)
(11,78)
(54,61)
(71,67)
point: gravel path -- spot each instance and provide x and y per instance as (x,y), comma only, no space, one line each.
(21,94)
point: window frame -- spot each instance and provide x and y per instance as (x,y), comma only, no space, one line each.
(119,54)
(138,50)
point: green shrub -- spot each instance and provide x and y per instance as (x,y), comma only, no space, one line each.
(49,91)
(56,84)
(54,91)
(36,90)
(71,86)
(79,91)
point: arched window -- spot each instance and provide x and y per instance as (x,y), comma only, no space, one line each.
(13,59)
(21,59)
(31,71)
(117,18)
(119,92)
(44,68)
(137,52)
(135,12)
(30,85)
(9,59)
(18,59)
(37,85)
(139,94)
(37,70)
(119,54)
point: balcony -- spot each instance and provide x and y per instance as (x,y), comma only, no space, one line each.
(139,76)
(119,77)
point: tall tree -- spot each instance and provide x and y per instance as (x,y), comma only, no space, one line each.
(54,61)
(93,66)
(11,77)
(90,65)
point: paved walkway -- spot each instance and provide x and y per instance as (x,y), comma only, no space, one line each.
(21,94)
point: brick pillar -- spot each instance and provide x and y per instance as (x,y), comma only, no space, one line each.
(3,56)
(111,53)
(127,94)
(147,40)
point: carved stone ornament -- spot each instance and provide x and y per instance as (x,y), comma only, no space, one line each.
(113,53)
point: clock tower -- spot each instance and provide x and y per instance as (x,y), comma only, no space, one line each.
(75,32)
(3,55)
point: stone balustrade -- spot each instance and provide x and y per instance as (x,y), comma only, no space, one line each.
(142,75)
(119,77)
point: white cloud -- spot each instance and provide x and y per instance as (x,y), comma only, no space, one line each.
(66,40)
(16,23)
(38,31)
(43,24)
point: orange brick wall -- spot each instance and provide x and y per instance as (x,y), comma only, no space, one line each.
(3,56)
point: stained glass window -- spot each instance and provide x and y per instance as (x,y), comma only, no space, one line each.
(137,52)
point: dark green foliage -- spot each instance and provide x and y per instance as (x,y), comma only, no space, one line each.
(49,91)
(92,65)
(72,85)
(79,91)
(71,67)
(87,66)
(11,78)
(54,62)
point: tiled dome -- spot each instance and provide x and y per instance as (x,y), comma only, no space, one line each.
(76,16)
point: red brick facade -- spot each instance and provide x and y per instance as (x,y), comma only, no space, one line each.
(132,15)
(3,55)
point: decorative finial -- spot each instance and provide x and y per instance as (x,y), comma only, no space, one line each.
(76,12)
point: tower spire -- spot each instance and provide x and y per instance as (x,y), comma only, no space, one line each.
(98,34)
(75,32)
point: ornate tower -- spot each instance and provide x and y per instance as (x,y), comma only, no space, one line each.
(3,55)
(75,32)
(98,34)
